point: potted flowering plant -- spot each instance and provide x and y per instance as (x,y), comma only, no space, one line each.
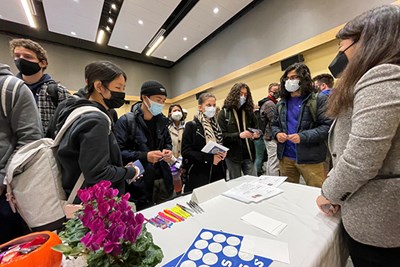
(108,232)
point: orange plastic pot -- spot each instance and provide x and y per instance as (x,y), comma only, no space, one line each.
(44,256)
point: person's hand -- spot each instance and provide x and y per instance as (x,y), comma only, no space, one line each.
(256,135)
(246,134)
(326,206)
(295,138)
(219,157)
(167,155)
(154,156)
(282,137)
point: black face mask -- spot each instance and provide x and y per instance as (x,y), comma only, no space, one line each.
(339,63)
(27,67)
(116,100)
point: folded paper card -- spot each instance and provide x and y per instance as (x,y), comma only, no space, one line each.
(214,148)
(209,191)
(264,223)
(268,248)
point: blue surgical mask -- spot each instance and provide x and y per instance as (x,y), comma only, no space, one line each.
(154,108)
(242,100)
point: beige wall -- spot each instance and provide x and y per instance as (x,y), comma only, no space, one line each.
(317,59)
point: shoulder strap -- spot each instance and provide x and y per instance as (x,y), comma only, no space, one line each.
(75,114)
(4,84)
(313,105)
(131,127)
(52,91)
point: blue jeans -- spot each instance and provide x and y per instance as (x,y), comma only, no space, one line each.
(235,168)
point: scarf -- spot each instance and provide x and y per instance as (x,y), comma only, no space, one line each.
(211,128)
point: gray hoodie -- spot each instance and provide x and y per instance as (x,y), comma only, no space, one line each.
(22,123)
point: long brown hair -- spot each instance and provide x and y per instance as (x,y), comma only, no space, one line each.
(232,101)
(377,33)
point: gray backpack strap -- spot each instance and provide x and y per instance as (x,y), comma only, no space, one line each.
(74,191)
(75,114)
(3,90)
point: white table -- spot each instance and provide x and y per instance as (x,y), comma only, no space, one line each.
(313,238)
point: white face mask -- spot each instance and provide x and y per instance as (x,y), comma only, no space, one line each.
(209,112)
(242,100)
(292,85)
(176,115)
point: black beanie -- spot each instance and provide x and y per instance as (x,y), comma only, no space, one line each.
(150,88)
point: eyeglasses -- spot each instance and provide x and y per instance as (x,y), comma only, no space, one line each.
(293,77)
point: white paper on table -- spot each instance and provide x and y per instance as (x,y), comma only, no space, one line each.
(264,223)
(250,192)
(264,247)
(274,181)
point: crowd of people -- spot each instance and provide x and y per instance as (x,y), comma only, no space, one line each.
(286,134)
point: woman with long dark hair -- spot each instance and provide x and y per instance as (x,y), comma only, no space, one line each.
(239,127)
(88,146)
(365,138)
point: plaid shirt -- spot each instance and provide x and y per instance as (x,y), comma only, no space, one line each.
(46,106)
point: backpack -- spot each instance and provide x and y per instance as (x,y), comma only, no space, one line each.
(311,104)
(33,178)
(52,91)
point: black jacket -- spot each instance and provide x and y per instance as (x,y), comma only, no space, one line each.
(134,146)
(313,135)
(231,131)
(200,168)
(89,148)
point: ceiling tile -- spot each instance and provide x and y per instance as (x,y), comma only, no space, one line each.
(128,32)
(199,23)
(12,10)
(81,17)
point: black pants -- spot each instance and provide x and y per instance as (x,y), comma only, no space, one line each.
(369,256)
(11,224)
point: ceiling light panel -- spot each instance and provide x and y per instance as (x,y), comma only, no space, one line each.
(127,30)
(12,10)
(64,16)
(199,23)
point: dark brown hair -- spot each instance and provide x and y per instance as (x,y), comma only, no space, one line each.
(41,54)
(232,101)
(325,78)
(377,33)
(305,79)
(104,71)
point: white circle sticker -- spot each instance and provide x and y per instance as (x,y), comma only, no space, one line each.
(206,235)
(215,247)
(188,264)
(233,241)
(201,244)
(246,256)
(220,238)
(195,254)
(210,259)
(230,251)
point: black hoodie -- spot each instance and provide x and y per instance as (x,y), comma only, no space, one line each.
(88,148)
